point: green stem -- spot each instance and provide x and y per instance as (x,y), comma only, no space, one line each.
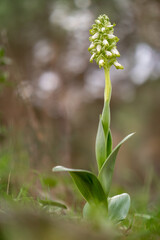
(108,87)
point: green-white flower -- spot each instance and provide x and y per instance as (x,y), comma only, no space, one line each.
(103,49)
(103,43)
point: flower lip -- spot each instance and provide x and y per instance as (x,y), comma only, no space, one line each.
(110,36)
(98,48)
(95,36)
(105,42)
(101,63)
(110,25)
(108,53)
(97,21)
(91,45)
(115,52)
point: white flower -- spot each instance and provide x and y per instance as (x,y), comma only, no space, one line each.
(105,42)
(103,29)
(97,21)
(110,36)
(91,46)
(95,36)
(92,57)
(101,63)
(115,52)
(118,65)
(110,25)
(109,54)
(98,48)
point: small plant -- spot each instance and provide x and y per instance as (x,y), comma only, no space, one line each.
(95,189)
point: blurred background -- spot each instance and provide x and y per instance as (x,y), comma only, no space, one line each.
(51,96)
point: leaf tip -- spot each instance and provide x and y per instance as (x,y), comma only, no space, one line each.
(57,169)
(132,133)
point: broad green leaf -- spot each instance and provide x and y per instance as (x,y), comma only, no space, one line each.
(106,119)
(87,183)
(106,172)
(109,143)
(118,207)
(100,145)
(52,203)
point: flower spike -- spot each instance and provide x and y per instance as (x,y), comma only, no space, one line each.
(103,43)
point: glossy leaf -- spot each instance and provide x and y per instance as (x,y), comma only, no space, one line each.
(87,183)
(100,145)
(106,172)
(118,207)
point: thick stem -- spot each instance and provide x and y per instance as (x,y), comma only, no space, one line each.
(108,87)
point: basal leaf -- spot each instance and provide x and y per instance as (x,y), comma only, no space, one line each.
(118,207)
(106,172)
(100,145)
(87,183)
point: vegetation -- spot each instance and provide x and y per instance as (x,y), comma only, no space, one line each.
(40,128)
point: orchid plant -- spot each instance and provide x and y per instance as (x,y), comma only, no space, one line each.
(95,189)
